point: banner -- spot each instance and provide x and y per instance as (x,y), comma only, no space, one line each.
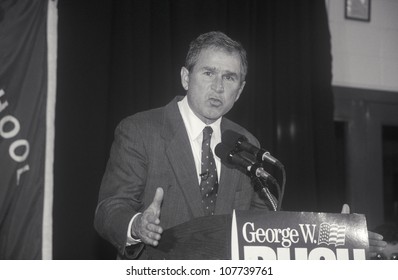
(298,236)
(27,104)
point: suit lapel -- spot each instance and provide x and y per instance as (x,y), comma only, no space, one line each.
(227,185)
(179,153)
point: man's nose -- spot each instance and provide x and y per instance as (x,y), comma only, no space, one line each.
(218,84)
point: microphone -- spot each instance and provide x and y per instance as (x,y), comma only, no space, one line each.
(240,142)
(226,155)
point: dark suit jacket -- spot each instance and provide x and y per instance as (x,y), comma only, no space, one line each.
(151,149)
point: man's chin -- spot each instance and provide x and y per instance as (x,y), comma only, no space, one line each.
(213,116)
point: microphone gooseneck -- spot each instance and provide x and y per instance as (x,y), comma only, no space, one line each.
(234,143)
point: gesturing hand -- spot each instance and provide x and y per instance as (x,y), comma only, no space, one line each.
(376,243)
(146,226)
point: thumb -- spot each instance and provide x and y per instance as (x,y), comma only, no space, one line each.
(157,200)
(345,209)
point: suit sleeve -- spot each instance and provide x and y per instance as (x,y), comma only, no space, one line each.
(122,187)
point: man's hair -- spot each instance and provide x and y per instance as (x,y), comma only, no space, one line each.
(215,40)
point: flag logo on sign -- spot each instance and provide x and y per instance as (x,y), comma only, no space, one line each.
(331,234)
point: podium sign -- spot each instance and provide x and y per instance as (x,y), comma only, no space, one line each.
(298,236)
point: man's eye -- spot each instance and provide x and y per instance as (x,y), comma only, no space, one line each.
(208,73)
(229,78)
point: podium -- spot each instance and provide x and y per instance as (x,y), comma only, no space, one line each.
(281,235)
(204,238)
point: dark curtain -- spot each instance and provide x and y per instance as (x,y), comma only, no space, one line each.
(117,58)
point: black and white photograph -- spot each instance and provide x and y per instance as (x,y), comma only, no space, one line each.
(134,132)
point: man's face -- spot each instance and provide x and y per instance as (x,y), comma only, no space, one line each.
(214,84)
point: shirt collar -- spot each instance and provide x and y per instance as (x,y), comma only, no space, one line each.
(193,124)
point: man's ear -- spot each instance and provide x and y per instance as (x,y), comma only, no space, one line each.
(242,86)
(184,78)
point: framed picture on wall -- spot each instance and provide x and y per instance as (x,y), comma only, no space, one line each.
(357,10)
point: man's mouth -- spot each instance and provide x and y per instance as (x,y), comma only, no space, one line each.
(215,102)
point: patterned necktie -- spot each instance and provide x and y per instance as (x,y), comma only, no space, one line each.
(209,178)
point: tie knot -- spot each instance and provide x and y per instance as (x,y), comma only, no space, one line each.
(207,131)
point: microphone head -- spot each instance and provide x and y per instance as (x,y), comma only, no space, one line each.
(223,152)
(231,158)
(233,139)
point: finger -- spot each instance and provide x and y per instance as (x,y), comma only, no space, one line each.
(155,243)
(155,228)
(345,209)
(153,211)
(150,241)
(151,238)
(374,235)
(158,198)
(150,233)
(377,245)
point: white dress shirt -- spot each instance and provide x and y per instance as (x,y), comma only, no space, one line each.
(194,127)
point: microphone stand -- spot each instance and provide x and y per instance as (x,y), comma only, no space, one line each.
(260,182)
(263,184)
(282,168)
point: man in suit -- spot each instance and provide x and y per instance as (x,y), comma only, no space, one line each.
(153,177)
